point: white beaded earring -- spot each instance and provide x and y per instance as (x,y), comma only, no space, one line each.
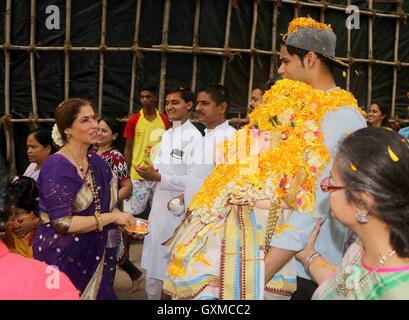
(361,218)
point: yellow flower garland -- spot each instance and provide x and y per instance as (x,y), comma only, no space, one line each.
(292,111)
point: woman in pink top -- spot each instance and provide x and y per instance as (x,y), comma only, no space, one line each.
(27,279)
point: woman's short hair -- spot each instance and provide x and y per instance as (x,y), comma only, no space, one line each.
(66,113)
(376,161)
(43,137)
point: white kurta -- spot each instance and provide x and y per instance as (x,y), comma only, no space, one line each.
(173,161)
(205,159)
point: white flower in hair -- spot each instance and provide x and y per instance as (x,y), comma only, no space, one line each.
(55,134)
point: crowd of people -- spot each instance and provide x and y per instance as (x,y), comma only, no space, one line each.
(315,207)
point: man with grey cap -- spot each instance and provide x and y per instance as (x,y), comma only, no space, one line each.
(308,55)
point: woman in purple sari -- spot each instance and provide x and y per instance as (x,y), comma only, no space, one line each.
(78,199)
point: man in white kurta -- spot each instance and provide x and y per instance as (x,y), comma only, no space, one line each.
(205,158)
(169,170)
(172,162)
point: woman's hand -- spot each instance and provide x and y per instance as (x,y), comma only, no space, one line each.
(124,219)
(148,173)
(24,227)
(139,236)
(310,247)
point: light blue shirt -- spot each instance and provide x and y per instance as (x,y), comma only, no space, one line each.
(336,125)
(404,132)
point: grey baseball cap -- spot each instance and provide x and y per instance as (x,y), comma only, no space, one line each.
(320,41)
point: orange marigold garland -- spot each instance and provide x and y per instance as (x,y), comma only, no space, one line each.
(291,113)
(304,22)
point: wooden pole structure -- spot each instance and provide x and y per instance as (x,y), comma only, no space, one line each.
(101,56)
(348,80)
(67,46)
(318,4)
(296,9)
(395,59)
(191,50)
(370,54)
(10,149)
(164,49)
(252,43)
(165,32)
(274,49)
(136,56)
(32,59)
(226,42)
(194,45)
(322,11)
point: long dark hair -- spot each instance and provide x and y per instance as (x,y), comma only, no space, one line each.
(376,161)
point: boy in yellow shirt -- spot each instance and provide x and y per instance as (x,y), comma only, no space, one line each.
(143,132)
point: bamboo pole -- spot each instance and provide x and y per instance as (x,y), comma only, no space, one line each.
(101,56)
(322,11)
(296,8)
(165,32)
(252,43)
(198,50)
(66,49)
(348,80)
(195,44)
(10,146)
(317,4)
(370,54)
(32,59)
(226,42)
(210,50)
(395,58)
(274,48)
(135,57)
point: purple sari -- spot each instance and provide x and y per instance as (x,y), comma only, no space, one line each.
(88,259)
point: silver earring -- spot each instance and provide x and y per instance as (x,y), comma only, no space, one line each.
(361,218)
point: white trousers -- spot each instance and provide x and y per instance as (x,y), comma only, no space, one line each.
(153,288)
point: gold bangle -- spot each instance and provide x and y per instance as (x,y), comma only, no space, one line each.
(100,224)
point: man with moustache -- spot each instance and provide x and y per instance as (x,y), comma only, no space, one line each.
(211,108)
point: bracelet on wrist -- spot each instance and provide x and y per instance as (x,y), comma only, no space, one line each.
(100,224)
(310,258)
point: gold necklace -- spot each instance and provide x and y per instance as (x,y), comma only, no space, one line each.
(82,170)
(346,288)
(91,185)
